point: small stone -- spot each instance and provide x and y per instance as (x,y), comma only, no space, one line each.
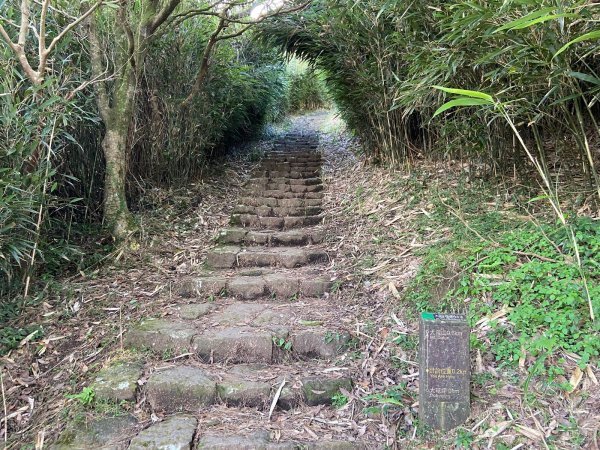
(118,382)
(174,433)
(195,310)
(319,391)
(182,388)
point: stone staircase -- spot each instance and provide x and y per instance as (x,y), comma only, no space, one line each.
(254,338)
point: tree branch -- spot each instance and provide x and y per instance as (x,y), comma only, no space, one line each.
(163,15)
(97,70)
(42,35)
(73,25)
(24,24)
(203,71)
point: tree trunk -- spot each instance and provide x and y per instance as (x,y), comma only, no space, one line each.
(116,213)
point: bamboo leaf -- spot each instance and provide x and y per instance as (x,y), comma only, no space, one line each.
(593,35)
(585,77)
(467,93)
(525,19)
(463,101)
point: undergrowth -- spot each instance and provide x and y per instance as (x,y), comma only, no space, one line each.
(516,279)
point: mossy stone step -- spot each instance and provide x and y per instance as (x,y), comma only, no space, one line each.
(275,223)
(285,188)
(161,336)
(263,181)
(118,381)
(278,211)
(231,340)
(260,441)
(296,174)
(247,287)
(228,257)
(173,433)
(182,388)
(189,388)
(280,202)
(271,238)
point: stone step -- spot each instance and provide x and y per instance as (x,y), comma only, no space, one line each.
(238,332)
(179,430)
(265,181)
(175,432)
(290,195)
(260,441)
(295,158)
(271,238)
(295,188)
(278,285)
(275,223)
(281,202)
(295,174)
(189,388)
(228,257)
(278,211)
(292,167)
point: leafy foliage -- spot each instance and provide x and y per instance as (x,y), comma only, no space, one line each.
(382,58)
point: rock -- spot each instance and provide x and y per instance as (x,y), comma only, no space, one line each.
(182,388)
(223,257)
(319,391)
(257,441)
(196,287)
(235,345)
(108,433)
(238,391)
(195,310)
(318,344)
(160,335)
(337,445)
(315,287)
(232,235)
(282,285)
(238,314)
(174,433)
(247,288)
(118,382)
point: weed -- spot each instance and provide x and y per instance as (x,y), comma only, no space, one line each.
(339,400)
(282,343)
(464,438)
(85,397)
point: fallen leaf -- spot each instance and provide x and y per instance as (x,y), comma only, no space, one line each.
(531,433)
(576,378)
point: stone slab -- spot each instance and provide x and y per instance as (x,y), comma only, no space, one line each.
(235,345)
(160,335)
(182,388)
(174,433)
(118,382)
